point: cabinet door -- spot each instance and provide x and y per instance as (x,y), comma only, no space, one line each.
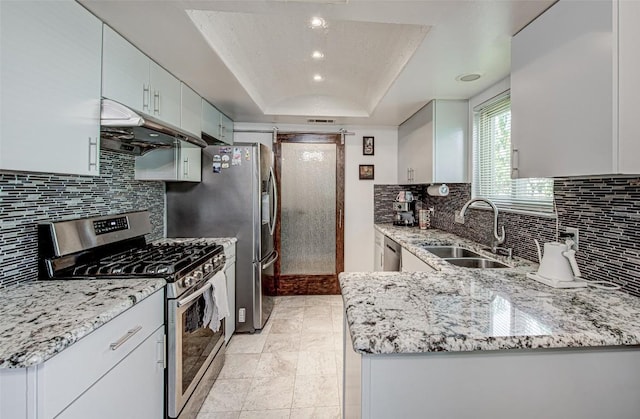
(165,97)
(134,388)
(629,86)
(415,147)
(50,84)
(190,163)
(210,120)
(159,164)
(561,92)
(451,122)
(125,72)
(226,129)
(191,117)
(411,263)
(378,252)
(230,273)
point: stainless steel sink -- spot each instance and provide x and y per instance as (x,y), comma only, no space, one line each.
(451,252)
(479,262)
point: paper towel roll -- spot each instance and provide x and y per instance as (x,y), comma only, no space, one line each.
(438,190)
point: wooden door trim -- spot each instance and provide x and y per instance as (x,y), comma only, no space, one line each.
(312,284)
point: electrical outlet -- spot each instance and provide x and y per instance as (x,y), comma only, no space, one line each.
(576,234)
(459,219)
(241,315)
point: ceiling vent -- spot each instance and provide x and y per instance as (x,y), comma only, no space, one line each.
(321,121)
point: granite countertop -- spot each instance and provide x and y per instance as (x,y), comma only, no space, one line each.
(459,309)
(39,319)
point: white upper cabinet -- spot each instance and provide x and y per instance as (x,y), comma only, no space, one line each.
(216,124)
(191,118)
(50,87)
(133,79)
(574,91)
(226,127)
(182,164)
(166,95)
(125,72)
(432,144)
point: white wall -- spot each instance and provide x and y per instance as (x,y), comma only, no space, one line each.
(358,217)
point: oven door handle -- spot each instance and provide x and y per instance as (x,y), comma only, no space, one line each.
(195,295)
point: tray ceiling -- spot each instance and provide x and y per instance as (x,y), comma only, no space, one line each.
(383,60)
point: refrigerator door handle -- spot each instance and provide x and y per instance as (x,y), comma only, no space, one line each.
(272,261)
(272,227)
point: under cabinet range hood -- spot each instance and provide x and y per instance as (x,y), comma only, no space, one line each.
(124,130)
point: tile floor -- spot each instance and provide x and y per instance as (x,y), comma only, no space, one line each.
(292,369)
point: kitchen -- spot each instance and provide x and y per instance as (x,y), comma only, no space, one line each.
(594,185)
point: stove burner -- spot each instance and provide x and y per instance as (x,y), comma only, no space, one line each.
(165,259)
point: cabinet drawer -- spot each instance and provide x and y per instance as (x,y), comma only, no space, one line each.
(67,375)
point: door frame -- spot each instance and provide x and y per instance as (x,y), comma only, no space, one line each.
(312,284)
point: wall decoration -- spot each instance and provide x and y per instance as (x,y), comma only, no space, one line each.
(368,146)
(366,171)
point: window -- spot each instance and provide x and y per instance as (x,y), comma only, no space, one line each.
(492,162)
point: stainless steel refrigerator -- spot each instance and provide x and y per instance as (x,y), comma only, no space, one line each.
(236,198)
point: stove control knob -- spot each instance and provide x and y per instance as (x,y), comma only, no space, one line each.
(188,281)
(197,275)
(208,267)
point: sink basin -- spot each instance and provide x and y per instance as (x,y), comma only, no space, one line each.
(451,252)
(477,262)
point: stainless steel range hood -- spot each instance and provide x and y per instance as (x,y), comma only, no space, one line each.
(124,130)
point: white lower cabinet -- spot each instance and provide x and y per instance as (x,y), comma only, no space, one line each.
(378,252)
(117,371)
(411,263)
(182,163)
(585,383)
(132,389)
(230,273)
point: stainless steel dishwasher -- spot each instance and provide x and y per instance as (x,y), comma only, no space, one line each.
(392,255)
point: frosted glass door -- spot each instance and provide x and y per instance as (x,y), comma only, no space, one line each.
(308,214)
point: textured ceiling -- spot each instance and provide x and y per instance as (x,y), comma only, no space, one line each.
(271,57)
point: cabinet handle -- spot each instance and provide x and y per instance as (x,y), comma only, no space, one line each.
(146,93)
(156,102)
(515,163)
(185,167)
(163,351)
(115,345)
(408,175)
(93,154)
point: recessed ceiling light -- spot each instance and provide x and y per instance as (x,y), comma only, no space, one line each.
(318,77)
(468,77)
(317,55)
(317,22)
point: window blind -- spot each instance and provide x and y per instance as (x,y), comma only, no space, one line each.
(492,162)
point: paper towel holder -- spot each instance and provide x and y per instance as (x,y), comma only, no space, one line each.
(438,189)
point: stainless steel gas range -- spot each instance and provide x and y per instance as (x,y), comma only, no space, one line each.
(114,246)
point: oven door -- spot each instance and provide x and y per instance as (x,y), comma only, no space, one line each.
(191,347)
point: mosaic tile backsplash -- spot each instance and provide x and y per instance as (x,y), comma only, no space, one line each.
(27,199)
(606,210)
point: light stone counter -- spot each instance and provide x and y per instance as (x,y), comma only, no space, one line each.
(460,309)
(39,319)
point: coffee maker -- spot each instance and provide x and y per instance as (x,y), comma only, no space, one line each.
(404,209)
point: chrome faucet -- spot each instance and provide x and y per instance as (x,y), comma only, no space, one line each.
(496,240)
